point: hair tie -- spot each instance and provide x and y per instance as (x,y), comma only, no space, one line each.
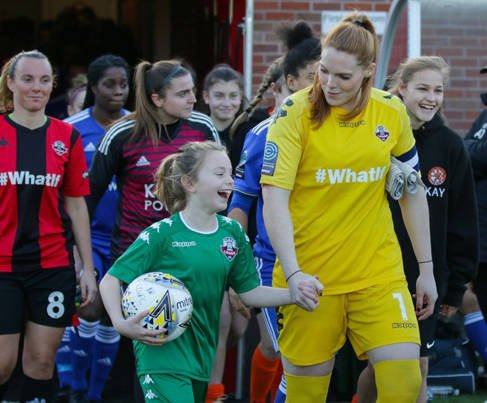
(147,67)
(360,23)
(171,74)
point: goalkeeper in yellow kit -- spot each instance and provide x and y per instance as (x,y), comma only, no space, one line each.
(326,212)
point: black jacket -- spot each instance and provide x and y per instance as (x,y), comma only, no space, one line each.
(255,118)
(447,174)
(476,143)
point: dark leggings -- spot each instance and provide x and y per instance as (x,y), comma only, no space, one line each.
(480,287)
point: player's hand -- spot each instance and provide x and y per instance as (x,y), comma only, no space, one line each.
(88,287)
(447,311)
(237,304)
(132,329)
(426,294)
(304,290)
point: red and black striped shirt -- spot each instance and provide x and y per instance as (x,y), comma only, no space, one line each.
(38,168)
(134,166)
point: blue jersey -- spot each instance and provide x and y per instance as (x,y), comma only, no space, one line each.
(247,185)
(91,132)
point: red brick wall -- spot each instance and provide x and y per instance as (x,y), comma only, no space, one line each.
(459,34)
(455,32)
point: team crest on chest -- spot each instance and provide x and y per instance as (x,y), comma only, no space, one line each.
(381,133)
(229,248)
(437,176)
(59,147)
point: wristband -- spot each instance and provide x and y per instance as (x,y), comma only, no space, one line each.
(425,261)
(292,274)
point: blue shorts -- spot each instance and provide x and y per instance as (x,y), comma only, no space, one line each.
(264,269)
(101,258)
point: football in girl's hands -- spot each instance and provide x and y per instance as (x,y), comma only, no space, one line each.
(166,298)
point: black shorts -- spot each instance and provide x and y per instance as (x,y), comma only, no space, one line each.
(480,287)
(45,297)
(427,332)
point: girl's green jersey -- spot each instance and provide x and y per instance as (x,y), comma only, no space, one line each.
(207,264)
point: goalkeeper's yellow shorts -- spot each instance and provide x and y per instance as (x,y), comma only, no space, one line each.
(372,317)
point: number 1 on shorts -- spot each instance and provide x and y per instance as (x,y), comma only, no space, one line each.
(398,296)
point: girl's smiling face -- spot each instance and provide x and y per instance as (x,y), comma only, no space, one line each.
(423,96)
(214,183)
(223,99)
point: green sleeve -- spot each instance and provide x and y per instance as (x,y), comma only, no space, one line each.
(137,259)
(243,273)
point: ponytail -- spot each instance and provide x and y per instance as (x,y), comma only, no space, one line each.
(186,162)
(151,79)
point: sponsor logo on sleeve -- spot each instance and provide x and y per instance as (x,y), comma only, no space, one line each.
(156,226)
(271,152)
(147,380)
(167,221)
(240,169)
(381,133)
(282,112)
(144,236)
(150,395)
(228,220)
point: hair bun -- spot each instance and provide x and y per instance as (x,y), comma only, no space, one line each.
(294,35)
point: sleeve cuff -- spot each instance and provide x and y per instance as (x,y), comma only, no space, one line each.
(242,201)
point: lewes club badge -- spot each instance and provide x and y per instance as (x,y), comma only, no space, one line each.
(229,248)
(59,148)
(381,133)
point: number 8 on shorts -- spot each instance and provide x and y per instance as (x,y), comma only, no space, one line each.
(55,308)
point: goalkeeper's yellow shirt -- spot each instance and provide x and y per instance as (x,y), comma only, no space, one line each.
(336,173)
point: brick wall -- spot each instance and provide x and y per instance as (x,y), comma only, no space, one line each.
(454,29)
(459,34)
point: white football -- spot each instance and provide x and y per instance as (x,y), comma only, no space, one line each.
(169,303)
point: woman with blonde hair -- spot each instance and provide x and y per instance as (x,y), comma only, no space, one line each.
(43,181)
(447,173)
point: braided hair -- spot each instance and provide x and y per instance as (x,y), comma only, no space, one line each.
(273,73)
